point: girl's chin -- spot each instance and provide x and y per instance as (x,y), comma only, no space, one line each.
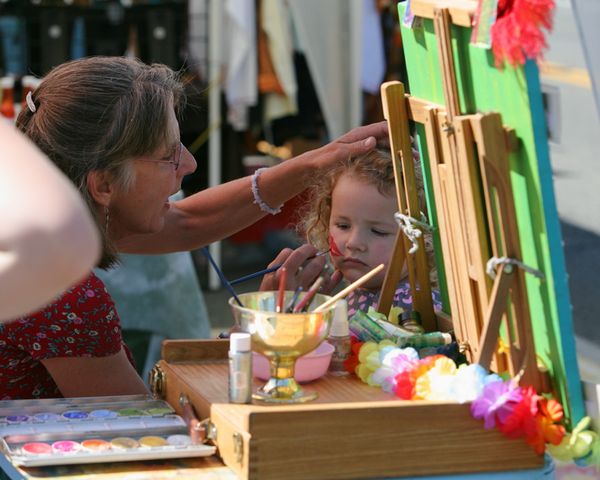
(353,277)
(373,283)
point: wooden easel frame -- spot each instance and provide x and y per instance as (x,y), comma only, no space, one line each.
(468,159)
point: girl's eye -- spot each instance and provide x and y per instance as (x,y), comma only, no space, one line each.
(342,226)
(379,233)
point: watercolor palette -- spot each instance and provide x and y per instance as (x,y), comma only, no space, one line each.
(22,411)
(102,446)
(82,414)
(93,429)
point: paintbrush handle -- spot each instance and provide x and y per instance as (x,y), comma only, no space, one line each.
(224,281)
(272,269)
(250,276)
(312,291)
(290,307)
(349,288)
(281,292)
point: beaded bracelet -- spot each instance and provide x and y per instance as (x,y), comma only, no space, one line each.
(258,199)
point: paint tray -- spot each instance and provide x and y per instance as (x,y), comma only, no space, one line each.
(83,414)
(71,448)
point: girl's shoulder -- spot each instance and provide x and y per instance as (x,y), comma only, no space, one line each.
(361,299)
(403,297)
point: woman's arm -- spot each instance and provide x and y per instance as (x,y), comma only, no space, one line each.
(48,240)
(218,212)
(95,376)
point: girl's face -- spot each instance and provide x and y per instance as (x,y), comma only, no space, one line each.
(363,229)
(143,207)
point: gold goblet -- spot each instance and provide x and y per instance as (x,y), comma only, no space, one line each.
(282,338)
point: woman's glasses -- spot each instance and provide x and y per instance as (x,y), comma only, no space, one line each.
(175,160)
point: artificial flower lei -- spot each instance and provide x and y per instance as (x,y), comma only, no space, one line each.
(517,411)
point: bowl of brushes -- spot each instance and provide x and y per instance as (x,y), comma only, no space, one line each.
(282,337)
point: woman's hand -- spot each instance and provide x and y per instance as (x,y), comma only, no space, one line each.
(357,141)
(379,131)
(303,268)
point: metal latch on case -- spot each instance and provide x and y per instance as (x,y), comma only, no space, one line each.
(200,431)
(157,379)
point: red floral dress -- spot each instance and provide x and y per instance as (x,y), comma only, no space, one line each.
(82,322)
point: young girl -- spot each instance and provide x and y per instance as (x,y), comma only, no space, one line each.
(351,212)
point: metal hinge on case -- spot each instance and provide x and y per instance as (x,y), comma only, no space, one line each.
(238,447)
(157,379)
(211,430)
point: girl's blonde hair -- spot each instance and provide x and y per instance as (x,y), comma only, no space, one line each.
(374,168)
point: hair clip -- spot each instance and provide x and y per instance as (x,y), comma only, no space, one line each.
(30,102)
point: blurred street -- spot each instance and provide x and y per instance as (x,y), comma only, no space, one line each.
(575,141)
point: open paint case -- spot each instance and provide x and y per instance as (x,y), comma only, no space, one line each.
(101,446)
(93,429)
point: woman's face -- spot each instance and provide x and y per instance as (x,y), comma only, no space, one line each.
(363,229)
(142,208)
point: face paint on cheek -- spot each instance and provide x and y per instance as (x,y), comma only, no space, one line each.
(334,251)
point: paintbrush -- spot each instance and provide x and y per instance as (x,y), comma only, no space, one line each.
(290,307)
(224,281)
(272,269)
(309,295)
(281,292)
(349,288)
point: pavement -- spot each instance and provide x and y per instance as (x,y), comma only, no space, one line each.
(575,141)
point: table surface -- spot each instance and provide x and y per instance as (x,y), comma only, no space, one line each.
(213,469)
(186,468)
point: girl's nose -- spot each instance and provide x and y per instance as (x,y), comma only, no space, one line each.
(355,241)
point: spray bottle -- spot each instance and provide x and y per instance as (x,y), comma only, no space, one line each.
(339,337)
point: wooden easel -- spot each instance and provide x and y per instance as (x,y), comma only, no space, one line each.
(408,203)
(468,159)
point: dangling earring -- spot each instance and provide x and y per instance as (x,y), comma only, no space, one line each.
(107,218)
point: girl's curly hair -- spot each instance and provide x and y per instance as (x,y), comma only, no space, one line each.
(373,168)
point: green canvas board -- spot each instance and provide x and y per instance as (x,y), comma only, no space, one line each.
(514,93)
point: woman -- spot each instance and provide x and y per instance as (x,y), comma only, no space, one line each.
(110,124)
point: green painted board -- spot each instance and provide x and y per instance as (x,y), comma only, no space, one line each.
(515,94)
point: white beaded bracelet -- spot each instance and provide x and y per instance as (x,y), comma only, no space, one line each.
(258,199)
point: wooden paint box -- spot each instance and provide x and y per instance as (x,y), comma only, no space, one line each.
(351,430)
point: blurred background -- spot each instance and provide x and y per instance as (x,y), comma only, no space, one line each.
(267,80)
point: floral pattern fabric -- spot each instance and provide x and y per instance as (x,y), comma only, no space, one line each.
(82,322)
(361,299)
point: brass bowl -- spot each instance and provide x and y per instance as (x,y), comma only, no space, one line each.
(282,338)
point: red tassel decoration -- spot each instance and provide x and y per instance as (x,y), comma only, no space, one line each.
(517,33)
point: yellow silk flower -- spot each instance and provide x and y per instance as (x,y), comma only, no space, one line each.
(435,383)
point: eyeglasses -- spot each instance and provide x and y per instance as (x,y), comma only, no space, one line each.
(175,161)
